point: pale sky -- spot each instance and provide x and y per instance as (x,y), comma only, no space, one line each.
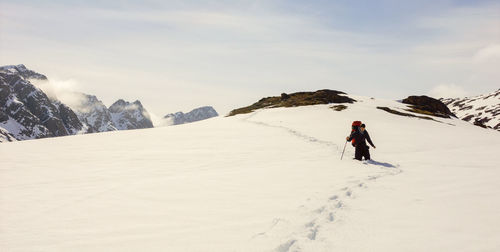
(178,55)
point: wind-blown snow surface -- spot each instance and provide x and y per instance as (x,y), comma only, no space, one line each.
(267,181)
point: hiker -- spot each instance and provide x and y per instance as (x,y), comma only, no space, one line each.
(360,135)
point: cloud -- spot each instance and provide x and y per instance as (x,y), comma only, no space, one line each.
(448,91)
(66,91)
(155,119)
(490,52)
(165,54)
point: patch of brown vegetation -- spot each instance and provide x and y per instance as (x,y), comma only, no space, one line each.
(324,96)
(428,106)
(338,107)
(392,111)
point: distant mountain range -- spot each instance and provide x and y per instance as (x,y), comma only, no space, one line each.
(194,115)
(26,112)
(481,110)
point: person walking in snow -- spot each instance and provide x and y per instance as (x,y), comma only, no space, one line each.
(360,135)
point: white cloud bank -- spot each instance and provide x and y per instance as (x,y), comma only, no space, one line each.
(448,91)
(490,52)
(65,90)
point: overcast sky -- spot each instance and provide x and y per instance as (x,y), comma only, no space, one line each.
(178,55)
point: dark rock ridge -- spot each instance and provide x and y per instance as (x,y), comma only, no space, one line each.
(126,115)
(481,110)
(194,115)
(6,136)
(26,112)
(324,96)
(428,106)
(70,119)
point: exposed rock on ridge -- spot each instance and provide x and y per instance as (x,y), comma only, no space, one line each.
(429,106)
(481,110)
(325,96)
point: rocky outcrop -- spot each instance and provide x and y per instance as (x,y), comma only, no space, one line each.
(194,115)
(5,136)
(71,121)
(428,106)
(481,110)
(325,96)
(126,115)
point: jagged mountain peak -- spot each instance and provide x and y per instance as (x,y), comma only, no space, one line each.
(194,115)
(119,102)
(23,71)
(126,115)
(94,113)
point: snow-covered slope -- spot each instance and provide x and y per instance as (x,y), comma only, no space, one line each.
(126,115)
(194,115)
(271,180)
(27,113)
(481,110)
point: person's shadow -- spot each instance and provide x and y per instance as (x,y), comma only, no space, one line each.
(388,165)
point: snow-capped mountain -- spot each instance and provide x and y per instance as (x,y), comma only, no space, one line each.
(23,72)
(126,115)
(481,110)
(26,112)
(92,112)
(194,115)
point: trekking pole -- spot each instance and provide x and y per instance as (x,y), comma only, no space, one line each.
(343,150)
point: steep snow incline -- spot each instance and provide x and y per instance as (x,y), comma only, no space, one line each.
(266,181)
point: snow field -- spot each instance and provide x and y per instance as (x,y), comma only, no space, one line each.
(267,181)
